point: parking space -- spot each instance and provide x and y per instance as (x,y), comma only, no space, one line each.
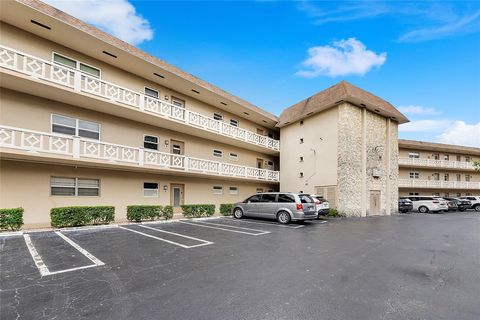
(251,269)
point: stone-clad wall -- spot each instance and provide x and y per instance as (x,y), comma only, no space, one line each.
(394,167)
(349,188)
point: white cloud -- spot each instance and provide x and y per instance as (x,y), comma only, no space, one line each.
(424,126)
(418,110)
(461,133)
(465,24)
(341,58)
(117,17)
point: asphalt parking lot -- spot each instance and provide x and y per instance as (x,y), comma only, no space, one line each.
(399,267)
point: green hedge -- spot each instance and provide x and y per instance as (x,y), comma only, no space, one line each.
(226,209)
(148,212)
(198,210)
(11,219)
(335,214)
(80,216)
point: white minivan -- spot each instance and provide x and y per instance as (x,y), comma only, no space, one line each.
(426,204)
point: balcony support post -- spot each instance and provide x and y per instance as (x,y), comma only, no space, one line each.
(76,147)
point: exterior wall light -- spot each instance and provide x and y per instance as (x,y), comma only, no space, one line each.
(165,188)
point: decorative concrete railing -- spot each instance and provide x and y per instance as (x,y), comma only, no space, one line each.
(415,183)
(81,82)
(435,163)
(80,148)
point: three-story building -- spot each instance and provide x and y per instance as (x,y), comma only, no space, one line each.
(87,119)
(427,168)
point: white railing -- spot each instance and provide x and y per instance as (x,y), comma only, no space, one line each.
(81,82)
(415,183)
(421,162)
(80,148)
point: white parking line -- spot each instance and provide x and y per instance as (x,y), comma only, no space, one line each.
(43,269)
(205,242)
(225,228)
(271,223)
(165,240)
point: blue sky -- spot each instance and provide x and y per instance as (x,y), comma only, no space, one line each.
(423,57)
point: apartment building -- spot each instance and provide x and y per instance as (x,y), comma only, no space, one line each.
(427,168)
(343,144)
(87,119)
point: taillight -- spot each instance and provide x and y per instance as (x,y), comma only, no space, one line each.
(299,207)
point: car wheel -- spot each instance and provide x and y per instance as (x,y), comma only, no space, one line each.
(238,213)
(423,209)
(461,210)
(283,217)
(403,211)
(477,207)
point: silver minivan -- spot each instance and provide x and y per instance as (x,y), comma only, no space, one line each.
(282,206)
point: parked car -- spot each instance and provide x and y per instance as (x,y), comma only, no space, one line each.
(321,204)
(474,200)
(405,205)
(461,204)
(426,204)
(282,206)
(452,205)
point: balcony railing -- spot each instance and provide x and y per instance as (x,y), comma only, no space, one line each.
(79,148)
(81,82)
(437,184)
(435,163)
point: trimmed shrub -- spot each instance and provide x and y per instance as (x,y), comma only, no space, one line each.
(80,216)
(333,213)
(167,212)
(142,212)
(11,219)
(226,209)
(198,210)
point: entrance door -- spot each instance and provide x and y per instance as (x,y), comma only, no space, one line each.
(374,202)
(177,196)
(259,163)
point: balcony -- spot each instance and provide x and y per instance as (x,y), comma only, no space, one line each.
(38,69)
(432,163)
(437,184)
(38,144)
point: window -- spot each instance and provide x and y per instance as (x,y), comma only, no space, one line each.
(436,156)
(217,153)
(301,122)
(178,102)
(233,156)
(259,190)
(306,199)
(467,158)
(301,175)
(413,193)
(467,177)
(217,190)
(459,177)
(218,117)
(414,175)
(436,176)
(301,140)
(301,159)
(150,189)
(459,194)
(415,155)
(233,190)
(65,186)
(150,142)
(254,199)
(446,157)
(74,64)
(176,149)
(459,158)
(75,127)
(446,177)
(234,122)
(285,198)
(152,93)
(270,163)
(268,197)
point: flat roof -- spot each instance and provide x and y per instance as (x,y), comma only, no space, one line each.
(433,146)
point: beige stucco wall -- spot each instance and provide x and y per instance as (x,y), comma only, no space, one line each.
(27,185)
(319,132)
(15,105)
(42,48)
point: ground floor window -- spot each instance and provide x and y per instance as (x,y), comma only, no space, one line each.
(413,193)
(150,189)
(233,190)
(66,186)
(259,190)
(217,190)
